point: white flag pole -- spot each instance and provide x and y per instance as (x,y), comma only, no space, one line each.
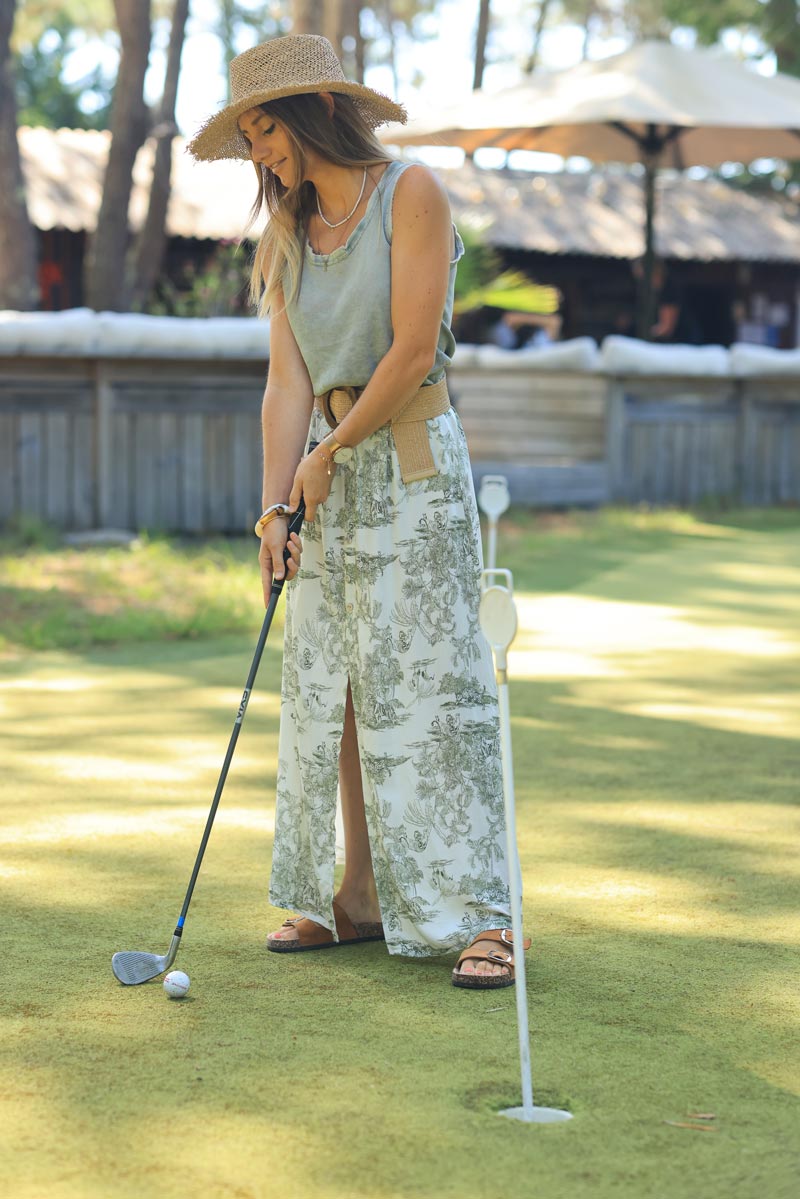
(498,617)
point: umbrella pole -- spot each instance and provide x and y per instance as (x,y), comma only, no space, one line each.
(647,313)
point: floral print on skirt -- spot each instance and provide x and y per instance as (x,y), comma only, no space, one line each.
(387,597)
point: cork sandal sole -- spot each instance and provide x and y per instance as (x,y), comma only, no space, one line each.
(311,935)
(483,982)
(501,956)
(366,933)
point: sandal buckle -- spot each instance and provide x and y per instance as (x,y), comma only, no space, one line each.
(509,939)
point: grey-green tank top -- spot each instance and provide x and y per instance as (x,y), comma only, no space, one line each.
(341,317)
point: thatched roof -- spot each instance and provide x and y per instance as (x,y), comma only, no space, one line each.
(602,213)
(598,213)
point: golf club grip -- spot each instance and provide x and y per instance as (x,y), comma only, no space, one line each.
(295,525)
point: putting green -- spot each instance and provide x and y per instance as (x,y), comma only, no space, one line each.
(656,716)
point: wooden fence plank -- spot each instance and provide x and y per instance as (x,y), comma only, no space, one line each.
(193,482)
(121,514)
(217,473)
(30,443)
(58,459)
(8,465)
(244,484)
(104,432)
(145,443)
(167,472)
(82,480)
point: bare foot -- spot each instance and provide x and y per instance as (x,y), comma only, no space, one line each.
(492,952)
(483,967)
(361,908)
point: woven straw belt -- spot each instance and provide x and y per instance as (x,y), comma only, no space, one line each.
(411,438)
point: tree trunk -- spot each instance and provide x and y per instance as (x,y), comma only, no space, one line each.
(587,30)
(533,60)
(226,32)
(106,262)
(481,37)
(388,19)
(307,16)
(354,29)
(18,288)
(333,18)
(152,240)
(783,34)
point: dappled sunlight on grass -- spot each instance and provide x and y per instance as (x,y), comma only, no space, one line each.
(603,629)
(777,575)
(613,741)
(656,769)
(762,828)
(82,826)
(603,888)
(77,683)
(722,717)
(79,766)
(706,706)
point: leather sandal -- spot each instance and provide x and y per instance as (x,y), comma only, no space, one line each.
(311,935)
(503,956)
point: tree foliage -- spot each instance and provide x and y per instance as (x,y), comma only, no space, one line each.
(43,95)
(773,24)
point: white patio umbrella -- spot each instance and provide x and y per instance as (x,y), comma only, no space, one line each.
(656,104)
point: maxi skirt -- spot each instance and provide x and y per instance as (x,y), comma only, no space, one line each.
(387,597)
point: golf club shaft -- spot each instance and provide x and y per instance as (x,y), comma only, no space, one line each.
(295,524)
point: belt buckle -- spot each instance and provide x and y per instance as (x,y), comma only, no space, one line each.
(327,412)
(352,394)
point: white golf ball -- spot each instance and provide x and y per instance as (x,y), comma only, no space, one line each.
(176,984)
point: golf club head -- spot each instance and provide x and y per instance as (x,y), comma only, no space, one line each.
(132,968)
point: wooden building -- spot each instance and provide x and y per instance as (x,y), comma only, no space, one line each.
(734,256)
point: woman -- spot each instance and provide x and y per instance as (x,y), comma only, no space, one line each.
(388,687)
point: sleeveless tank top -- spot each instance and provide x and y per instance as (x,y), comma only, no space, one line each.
(341,316)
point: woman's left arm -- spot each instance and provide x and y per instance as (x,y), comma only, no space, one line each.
(420,257)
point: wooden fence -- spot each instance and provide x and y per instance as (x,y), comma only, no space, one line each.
(688,441)
(160,444)
(175,444)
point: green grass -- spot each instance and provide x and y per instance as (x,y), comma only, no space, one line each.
(53,597)
(655,711)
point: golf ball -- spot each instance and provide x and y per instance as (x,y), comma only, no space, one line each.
(176,984)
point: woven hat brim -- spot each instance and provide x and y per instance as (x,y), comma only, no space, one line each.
(221,137)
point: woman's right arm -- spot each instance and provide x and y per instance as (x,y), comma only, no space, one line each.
(285,416)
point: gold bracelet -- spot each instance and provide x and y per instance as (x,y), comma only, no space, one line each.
(269,514)
(329,462)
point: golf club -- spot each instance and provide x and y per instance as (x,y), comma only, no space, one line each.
(498,617)
(135,967)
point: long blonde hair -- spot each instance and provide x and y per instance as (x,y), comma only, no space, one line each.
(343,138)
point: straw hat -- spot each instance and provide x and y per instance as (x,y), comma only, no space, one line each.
(284,66)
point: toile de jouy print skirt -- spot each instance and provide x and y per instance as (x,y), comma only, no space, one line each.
(387,597)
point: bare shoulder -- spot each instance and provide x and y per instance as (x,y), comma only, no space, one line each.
(419,185)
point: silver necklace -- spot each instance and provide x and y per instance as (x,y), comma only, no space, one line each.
(352,210)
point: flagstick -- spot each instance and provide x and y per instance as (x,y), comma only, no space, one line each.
(498,616)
